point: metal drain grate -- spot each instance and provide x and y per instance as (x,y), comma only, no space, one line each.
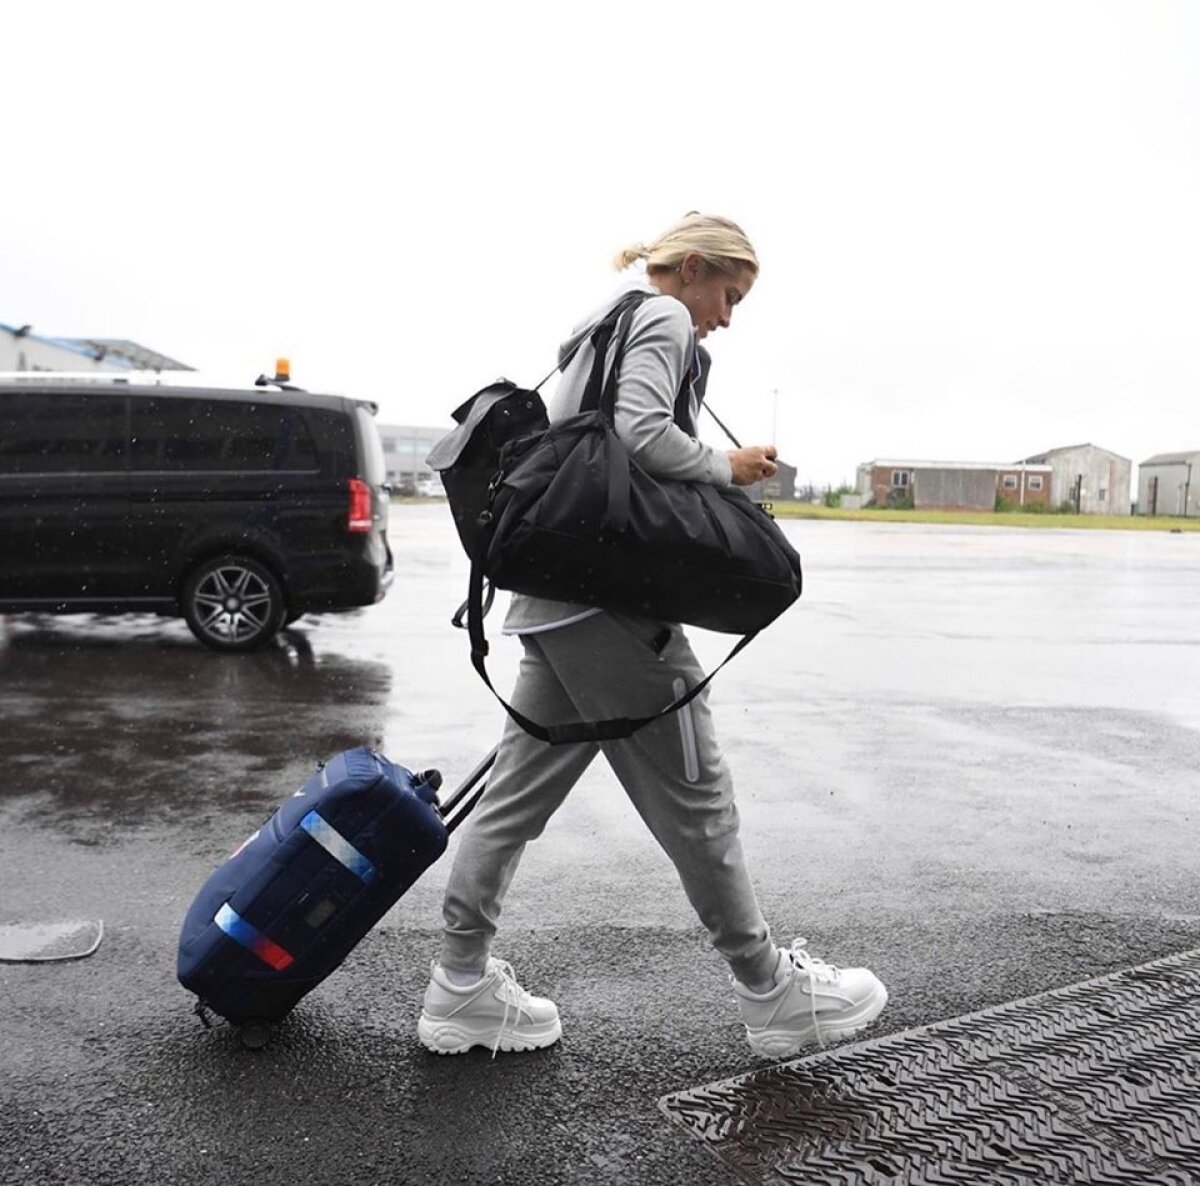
(1093,1084)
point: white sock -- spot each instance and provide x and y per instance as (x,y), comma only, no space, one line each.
(761,989)
(462,979)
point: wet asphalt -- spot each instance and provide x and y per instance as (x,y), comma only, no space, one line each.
(968,758)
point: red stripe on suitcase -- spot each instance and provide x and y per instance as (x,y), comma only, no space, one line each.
(251,938)
(272,953)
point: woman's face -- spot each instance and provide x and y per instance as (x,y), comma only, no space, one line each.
(710,295)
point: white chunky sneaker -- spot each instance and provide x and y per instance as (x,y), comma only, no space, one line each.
(812,1002)
(495,1012)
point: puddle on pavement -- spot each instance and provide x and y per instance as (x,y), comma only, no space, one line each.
(133,723)
(48,942)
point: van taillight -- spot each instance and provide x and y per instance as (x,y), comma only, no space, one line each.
(360,506)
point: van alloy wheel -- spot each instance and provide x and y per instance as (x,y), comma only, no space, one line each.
(233,603)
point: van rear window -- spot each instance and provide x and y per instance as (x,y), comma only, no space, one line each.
(43,432)
(168,435)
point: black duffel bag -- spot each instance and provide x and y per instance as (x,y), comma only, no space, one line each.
(574,518)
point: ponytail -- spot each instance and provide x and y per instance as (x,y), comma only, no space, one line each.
(720,243)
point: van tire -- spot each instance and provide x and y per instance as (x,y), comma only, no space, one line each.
(233,603)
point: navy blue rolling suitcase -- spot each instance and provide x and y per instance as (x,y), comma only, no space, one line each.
(291,903)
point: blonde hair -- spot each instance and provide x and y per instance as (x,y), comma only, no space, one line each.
(720,243)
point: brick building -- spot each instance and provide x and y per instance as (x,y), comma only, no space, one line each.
(954,485)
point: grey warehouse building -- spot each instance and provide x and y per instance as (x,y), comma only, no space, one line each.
(1169,484)
(1092,480)
(405,448)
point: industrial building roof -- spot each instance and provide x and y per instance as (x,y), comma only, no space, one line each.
(1173,458)
(139,357)
(116,350)
(1072,448)
(885,463)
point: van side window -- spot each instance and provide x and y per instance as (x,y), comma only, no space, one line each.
(373,462)
(169,435)
(336,435)
(45,432)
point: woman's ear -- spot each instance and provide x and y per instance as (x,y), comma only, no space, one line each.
(692,268)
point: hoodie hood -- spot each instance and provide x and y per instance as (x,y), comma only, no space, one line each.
(581,331)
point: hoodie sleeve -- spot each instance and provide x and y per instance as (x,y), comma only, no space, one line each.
(657,354)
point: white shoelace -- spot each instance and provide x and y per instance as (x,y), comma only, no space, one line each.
(818,972)
(514,996)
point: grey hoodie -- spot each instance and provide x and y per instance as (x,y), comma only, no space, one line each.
(659,350)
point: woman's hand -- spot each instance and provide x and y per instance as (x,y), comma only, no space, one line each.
(752,463)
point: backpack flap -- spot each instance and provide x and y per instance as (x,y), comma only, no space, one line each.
(468,457)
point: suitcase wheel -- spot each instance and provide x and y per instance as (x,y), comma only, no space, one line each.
(255,1034)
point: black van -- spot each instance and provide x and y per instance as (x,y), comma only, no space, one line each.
(239,509)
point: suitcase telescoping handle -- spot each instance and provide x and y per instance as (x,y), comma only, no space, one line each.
(464,797)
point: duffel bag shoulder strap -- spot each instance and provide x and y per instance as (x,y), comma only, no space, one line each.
(600,394)
(596,393)
(603,331)
(571,732)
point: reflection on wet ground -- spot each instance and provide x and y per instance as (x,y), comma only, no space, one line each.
(117,720)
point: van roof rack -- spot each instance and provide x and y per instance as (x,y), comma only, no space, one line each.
(93,378)
(173,379)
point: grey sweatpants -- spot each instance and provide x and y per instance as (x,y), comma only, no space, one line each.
(673,772)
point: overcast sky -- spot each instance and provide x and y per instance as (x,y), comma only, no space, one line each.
(979,222)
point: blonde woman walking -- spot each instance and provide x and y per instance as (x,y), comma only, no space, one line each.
(581,662)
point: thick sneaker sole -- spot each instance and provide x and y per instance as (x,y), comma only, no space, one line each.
(453,1037)
(782,1043)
